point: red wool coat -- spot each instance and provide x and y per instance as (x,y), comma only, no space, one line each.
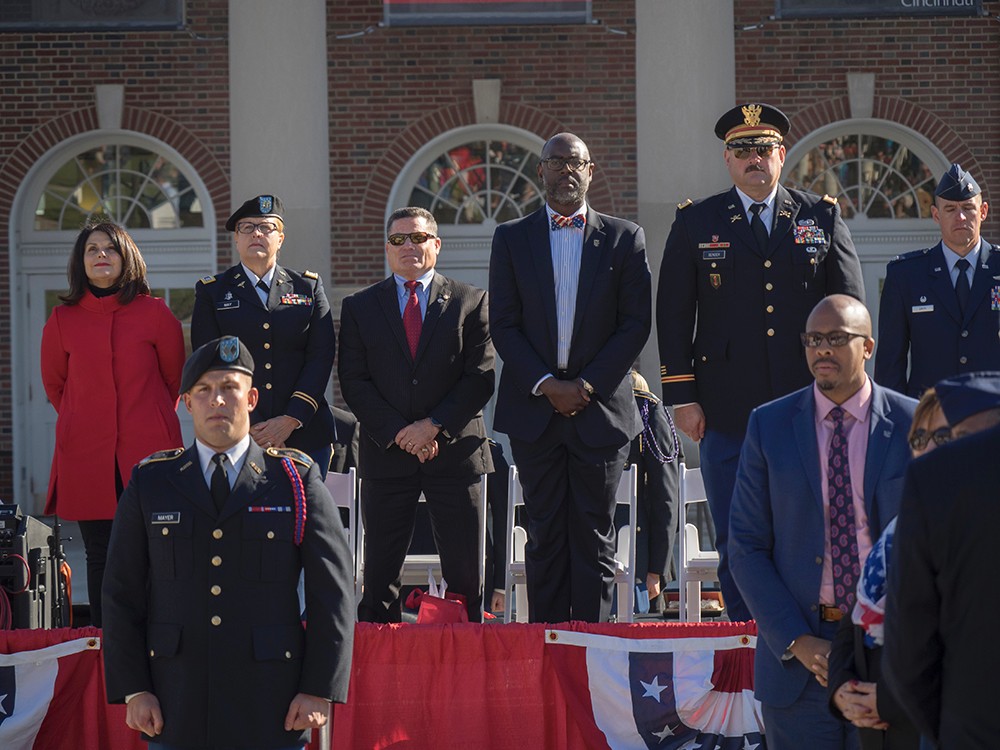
(112,372)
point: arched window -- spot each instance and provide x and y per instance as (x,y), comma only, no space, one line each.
(479,181)
(875,175)
(130,184)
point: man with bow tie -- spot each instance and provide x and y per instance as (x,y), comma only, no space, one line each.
(571,310)
(416,368)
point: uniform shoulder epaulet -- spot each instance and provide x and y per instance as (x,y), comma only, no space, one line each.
(206,279)
(639,393)
(168,455)
(910,255)
(296,455)
(687,202)
(310,274)
(830,199)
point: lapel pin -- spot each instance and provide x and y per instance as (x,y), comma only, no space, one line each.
(187,465)
(734,218)
(923,299)
(937,269)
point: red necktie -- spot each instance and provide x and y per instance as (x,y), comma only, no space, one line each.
(412,322)
(843,531)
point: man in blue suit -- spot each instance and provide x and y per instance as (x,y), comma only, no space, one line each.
(820,475)
(940,306)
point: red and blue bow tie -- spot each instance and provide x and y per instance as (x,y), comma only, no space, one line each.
(561,222)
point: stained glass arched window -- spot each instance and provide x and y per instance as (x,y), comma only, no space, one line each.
(129,184)
(479,181)
(873,176)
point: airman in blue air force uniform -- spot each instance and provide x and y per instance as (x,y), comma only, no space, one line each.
(741,270)
(940,308)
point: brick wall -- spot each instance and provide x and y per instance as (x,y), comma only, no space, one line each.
(394,89)
(939,76)
(175,90)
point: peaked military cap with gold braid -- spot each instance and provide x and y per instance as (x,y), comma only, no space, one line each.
(752,124)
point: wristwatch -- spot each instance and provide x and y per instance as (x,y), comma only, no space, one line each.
(587,386)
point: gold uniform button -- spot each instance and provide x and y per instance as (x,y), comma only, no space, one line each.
(714,265)
(288,654)
(266,326)
(268,386)
(216,620)
(270,535)
(217,534)
(267,346)
(770,331)
(963,360)
(704,358)
(216,590)
(152,652)
(770,308)
(812,261)
(767,264)
(216,561)
(267,366)
(819,560)
(965,334)
(769,286)
(165,532)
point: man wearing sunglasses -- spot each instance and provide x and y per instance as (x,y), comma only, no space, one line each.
(283,317)
(741,270)
(820,476)
(570,311)
(416,367)
(940,306)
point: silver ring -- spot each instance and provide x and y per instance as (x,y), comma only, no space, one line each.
(423,450)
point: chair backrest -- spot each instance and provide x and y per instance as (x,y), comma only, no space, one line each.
(692,486)
(343,488)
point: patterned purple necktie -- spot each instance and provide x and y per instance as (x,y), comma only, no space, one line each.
(843,532)
(412,322)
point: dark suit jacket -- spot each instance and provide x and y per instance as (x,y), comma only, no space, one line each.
(776,526)
(729,316)
(939,621)
(292,341)
(919,316)
(451,378)
(850,660)
(228,682)
(613,318)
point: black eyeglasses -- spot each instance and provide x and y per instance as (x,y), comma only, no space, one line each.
(744,153)
(556,163)
(922,437)
(813,339)
(248,227)
(416,238)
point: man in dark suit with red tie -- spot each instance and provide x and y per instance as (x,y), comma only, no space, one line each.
(416,368)
(571,310)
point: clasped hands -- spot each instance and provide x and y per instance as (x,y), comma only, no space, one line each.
(858,702)
(305,712)
(568,397)
(272,433)
(419,439)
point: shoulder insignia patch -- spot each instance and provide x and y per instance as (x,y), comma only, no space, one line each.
(685,204)
(830,199)
(310,274)
(296,455)
(206,279)
(168,455)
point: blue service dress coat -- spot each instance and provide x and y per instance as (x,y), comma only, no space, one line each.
(920,322)
(201,607)
(291,338)
(729,316)
(776,522)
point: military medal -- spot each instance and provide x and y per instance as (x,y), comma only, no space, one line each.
(809,235)
(296,299)
(715,279)
(995,297)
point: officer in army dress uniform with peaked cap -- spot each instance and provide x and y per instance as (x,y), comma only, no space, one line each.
(202,635)
(284,318)
(741,271)
(940,307)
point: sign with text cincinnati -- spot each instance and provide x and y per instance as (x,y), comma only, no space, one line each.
(485,12)
(90,15)
(860,8)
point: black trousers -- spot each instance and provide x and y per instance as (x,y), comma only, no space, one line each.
(569,499)
(388,511)
(96,535)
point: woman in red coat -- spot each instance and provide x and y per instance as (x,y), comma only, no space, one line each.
(111,366)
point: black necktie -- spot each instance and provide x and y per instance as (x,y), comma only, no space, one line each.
(757,226)
(220,481)
(264,288)
(962,284)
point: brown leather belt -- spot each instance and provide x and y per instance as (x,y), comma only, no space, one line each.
(830,614)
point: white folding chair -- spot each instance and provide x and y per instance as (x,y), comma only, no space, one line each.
(343,488)
(624,550)
(696,565)
(417,568)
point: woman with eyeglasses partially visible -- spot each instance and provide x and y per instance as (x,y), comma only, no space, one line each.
(284,318)
(857,691)
(111,366)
